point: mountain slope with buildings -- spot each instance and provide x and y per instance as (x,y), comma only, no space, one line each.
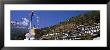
(82,27)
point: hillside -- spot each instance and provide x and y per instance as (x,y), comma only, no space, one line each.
(83,27)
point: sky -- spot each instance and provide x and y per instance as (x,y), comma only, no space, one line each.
(46,17)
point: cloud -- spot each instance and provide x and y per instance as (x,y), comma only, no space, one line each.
(22,23)
(13,22)
(25,21)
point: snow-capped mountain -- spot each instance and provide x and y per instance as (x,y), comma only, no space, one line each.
(19,28)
